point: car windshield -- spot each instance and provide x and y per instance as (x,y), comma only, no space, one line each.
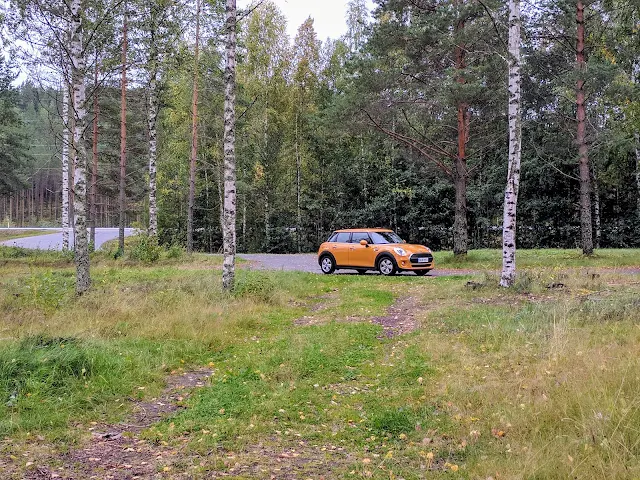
(385,237)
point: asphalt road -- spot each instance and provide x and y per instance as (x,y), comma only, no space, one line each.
(302,262)
(53,240)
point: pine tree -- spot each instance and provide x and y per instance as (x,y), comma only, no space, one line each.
(13,143)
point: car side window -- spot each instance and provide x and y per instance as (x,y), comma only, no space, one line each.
(357,236)
(333,237)
(343,237)
(378,239)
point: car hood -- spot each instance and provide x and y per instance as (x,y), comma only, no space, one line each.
(411,248)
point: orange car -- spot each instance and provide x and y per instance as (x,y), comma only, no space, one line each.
(379,249)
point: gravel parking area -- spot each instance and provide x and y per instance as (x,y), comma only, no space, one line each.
(308,262)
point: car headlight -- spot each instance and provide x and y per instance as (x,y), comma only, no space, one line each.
(400,251)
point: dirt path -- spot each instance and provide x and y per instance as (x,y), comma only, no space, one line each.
(399,319)
(115,451)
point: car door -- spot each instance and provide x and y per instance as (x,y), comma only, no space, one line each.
(340,248)
(361,255)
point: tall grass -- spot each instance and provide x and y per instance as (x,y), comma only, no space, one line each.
(536,382)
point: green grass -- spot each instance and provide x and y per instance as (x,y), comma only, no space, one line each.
(532,382)
(552,258)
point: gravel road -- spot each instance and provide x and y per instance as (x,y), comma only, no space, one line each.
(308,262)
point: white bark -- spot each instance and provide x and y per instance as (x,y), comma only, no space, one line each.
(515,144)
(66,140)
(152,120)
(83,280)
(229,216)
(122,194)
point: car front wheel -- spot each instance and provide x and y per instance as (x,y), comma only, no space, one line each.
(327,265)
(386,266)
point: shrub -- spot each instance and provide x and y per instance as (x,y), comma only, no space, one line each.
(145,249)
(175,251)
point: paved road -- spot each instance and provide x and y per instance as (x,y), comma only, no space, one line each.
(308,262)
(53,241)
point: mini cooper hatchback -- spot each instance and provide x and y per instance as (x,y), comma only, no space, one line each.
(379,249)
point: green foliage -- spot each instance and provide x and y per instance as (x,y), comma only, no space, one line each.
(145,249)
(175,252)
(13,143)
(310,160)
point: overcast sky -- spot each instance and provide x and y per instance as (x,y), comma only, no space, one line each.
(328,15)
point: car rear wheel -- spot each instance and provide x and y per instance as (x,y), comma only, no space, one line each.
(327,264)
(386,266)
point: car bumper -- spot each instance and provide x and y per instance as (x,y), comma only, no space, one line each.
(417,261)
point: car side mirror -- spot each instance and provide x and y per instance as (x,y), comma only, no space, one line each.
(364,242)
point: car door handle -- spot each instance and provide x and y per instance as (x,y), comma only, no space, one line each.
(352,248)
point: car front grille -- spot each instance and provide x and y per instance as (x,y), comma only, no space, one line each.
(414,259)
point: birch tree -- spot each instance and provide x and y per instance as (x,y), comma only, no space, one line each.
(122,195)
(229,210)
(66,141)
(152,121)
(515,143)
(93,210)
(78,67)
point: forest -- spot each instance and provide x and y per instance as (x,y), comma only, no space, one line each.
(470,126)
(401,123)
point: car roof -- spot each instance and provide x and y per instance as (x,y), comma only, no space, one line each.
(350,230)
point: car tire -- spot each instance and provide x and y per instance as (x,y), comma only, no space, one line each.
(387,266)
(422,273)
(361,271)
(327,264)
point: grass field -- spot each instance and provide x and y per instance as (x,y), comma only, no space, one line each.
(539,381)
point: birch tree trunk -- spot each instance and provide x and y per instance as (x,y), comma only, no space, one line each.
(508,276)
(229,217)
(66,141)
(94,168)
(123,137)
(152,121)
(194,137)
(583,150)
(83,279)
(298,189)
